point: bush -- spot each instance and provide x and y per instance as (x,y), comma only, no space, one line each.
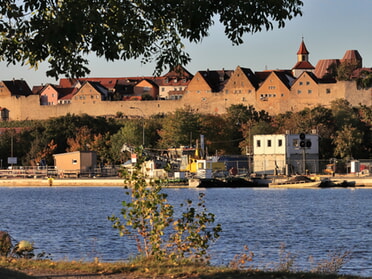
(148,215)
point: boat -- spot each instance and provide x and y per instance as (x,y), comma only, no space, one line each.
(336,183)
(228,182)
(300,181)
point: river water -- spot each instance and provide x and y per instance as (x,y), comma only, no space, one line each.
(70,223)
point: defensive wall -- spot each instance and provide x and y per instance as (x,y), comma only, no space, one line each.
(26,108)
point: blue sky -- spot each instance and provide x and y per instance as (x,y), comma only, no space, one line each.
(329,28)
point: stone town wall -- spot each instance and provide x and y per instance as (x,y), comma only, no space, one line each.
(22,108)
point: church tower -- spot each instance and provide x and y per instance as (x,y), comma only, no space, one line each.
(303,63)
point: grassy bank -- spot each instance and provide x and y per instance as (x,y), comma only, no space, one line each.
(28,269)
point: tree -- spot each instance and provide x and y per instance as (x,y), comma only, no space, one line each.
(347,142)
(242,119)
(180,128)
(81,141)
(216,132)
(131,134)
(64,32)
(364,80)
(344,113)
(345,70)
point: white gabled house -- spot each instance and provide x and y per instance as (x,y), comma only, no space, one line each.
(286,154)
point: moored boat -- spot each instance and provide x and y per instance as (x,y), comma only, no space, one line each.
(337,183)
(295,182)
(229,182)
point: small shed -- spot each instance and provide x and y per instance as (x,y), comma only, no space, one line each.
(75,163)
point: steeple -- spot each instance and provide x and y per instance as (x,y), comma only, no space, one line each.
(303,63)
(302,53)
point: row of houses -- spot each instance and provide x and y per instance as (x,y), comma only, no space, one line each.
(272,90)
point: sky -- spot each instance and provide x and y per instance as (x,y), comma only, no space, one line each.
(329,28)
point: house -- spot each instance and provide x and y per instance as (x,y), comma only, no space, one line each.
(90,93)
(14,88)
(205,82)
(274,92)
(286,154)
(172,85)
(55,95)
(306,88)
(146,87)
(244,82)
(66,94)
(75,163)
(48,95)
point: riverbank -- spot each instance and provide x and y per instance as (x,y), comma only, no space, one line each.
(44,269)
(52,182)
(360,182)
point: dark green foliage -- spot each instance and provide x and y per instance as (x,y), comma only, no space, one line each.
(65,32)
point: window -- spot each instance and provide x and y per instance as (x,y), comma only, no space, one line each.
(308,83)
(328,90)
(268,143)
(309,91)
(298,91)
(74,161)
(280,142)
(295,143)
(258,143)
(301,82)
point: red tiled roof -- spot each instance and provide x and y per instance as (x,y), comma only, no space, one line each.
(66,93)
(303,65)
(302,49)
(352,55)
(321,68)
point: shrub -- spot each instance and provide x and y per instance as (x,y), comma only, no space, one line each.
(148,215)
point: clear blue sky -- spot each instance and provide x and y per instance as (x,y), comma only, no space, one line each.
(329,28)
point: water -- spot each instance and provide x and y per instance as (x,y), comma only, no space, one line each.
(71,223)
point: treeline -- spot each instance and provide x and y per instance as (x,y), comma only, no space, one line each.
(345,132)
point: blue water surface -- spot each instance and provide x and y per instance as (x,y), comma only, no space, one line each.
(312,224)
